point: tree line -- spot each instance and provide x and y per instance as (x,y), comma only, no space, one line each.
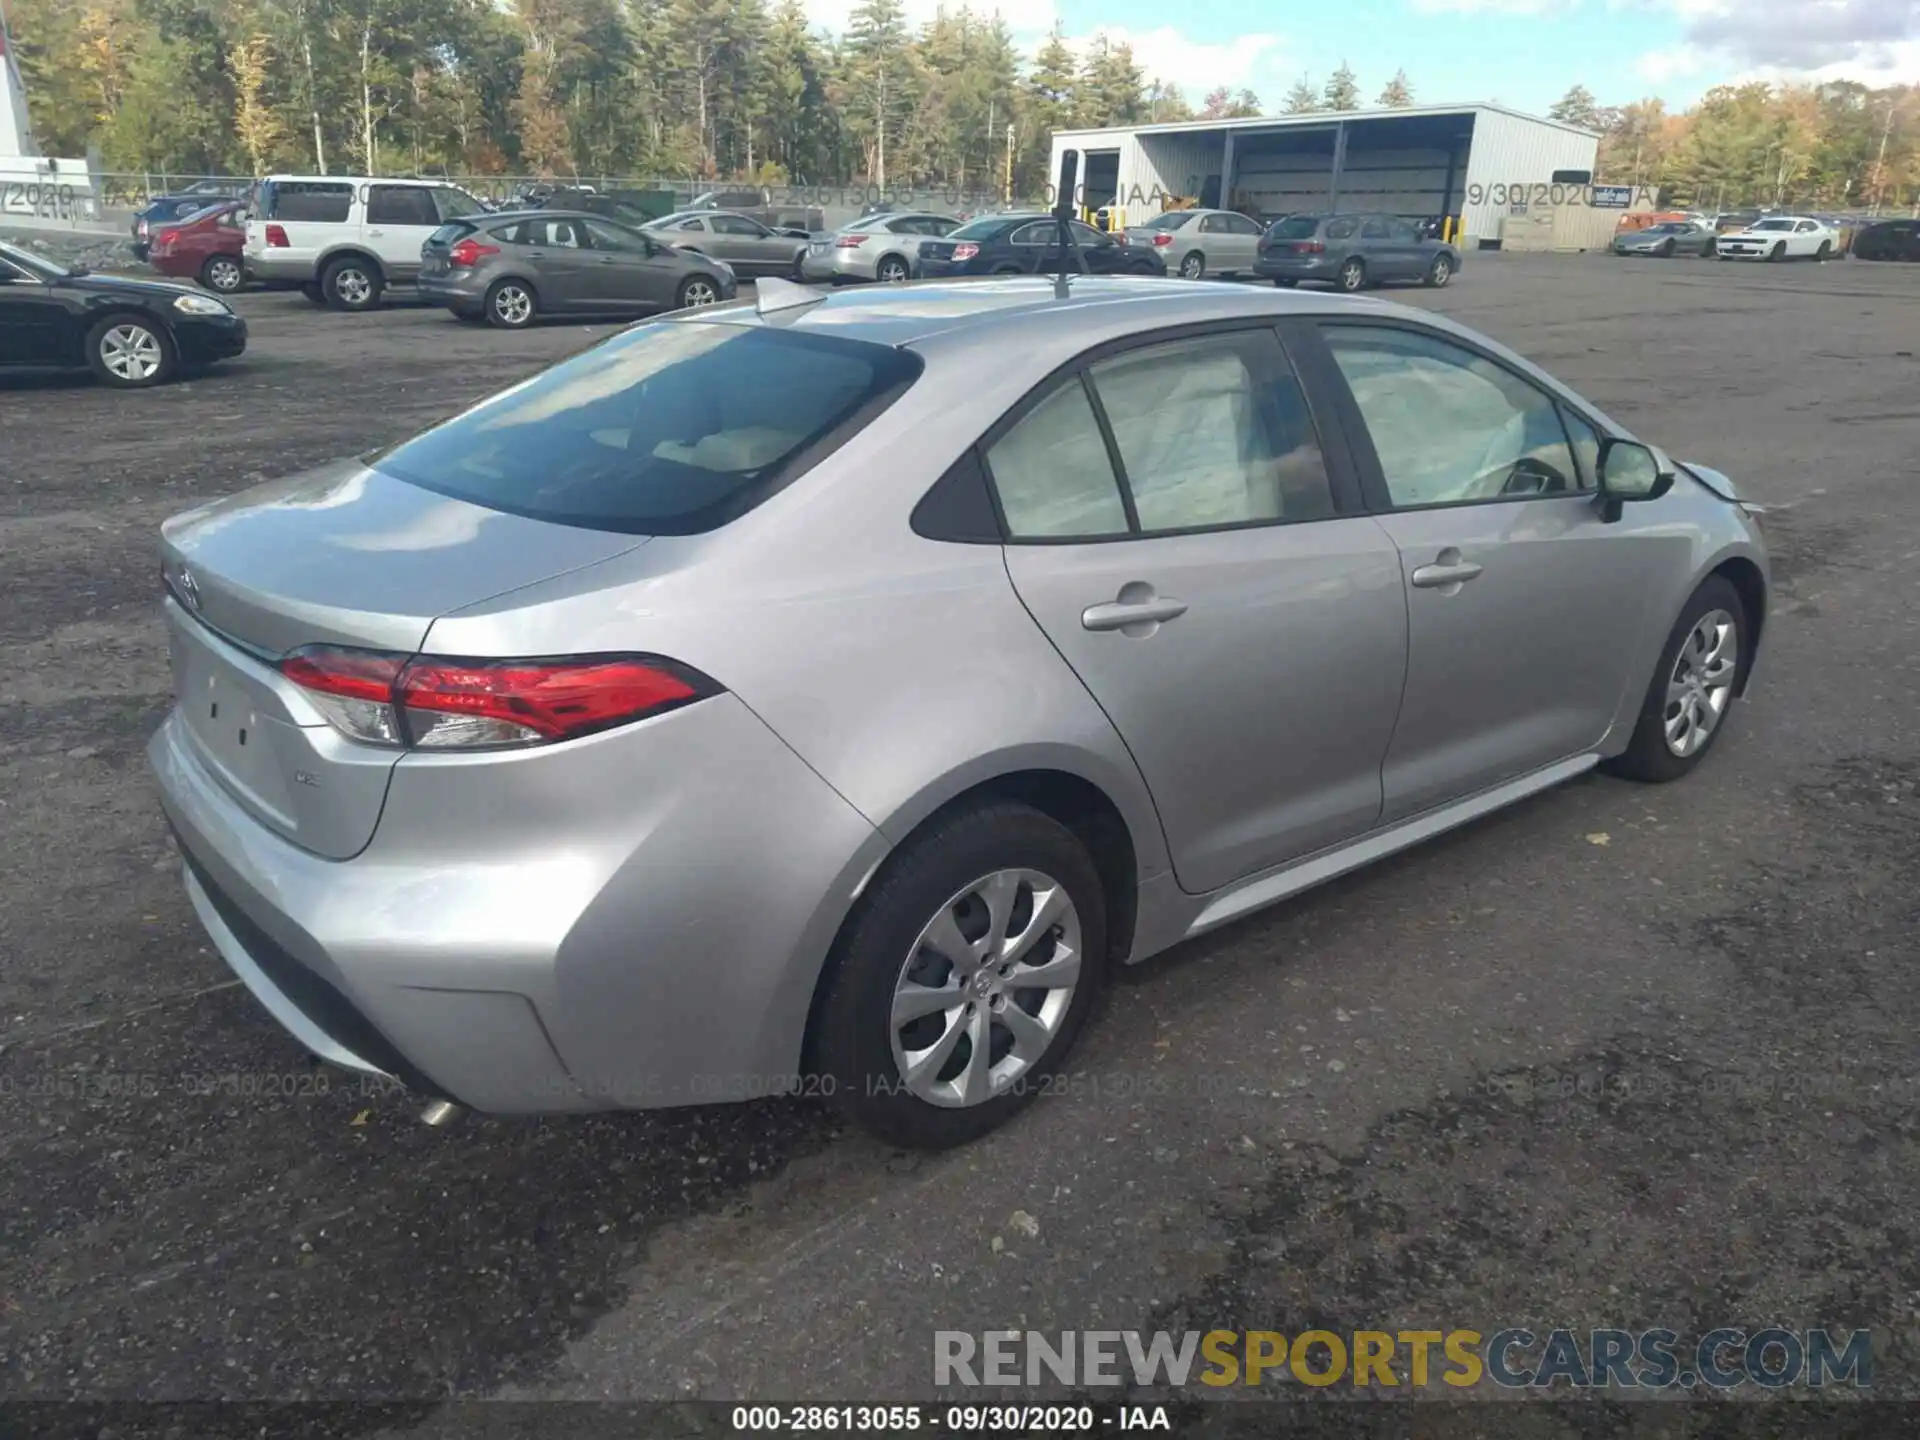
(1841,145)
(747,89)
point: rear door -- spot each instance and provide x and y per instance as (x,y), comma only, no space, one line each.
(1385,259)
(36,326)
(555,249)
(1173,528)
(312,215)
(751,247)
(1230,241)
(1523,602)
(625,272)
(400,219)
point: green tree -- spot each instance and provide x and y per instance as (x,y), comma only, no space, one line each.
(1343,90)
(1397,94)
(1303,98)
(879,81)
(1577,107)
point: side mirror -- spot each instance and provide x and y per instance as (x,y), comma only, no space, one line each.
(1629,471)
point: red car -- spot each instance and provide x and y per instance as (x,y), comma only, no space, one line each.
(206,246)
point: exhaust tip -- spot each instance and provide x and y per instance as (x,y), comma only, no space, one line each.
(442,1113)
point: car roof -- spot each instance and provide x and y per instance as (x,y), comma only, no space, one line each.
(699,215)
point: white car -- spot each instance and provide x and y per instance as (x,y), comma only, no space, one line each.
(344,239)
(1781,237)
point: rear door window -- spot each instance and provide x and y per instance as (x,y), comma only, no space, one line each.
(317,201)
(666,429)
(400,205)
(1341,229)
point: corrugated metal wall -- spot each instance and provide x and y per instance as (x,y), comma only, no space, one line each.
(1510,151)
(1153,168)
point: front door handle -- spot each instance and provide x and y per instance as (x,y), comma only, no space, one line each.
(1449,570)
(1136,611)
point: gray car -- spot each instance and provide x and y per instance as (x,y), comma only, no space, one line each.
(1351,252)
(512,268)
(827,693)
(743,242)
(1667,239)
(876,247)
(1198,243)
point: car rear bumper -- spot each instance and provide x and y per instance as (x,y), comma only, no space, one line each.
(452,291)
(1290,267)
(653,942)
(835,265)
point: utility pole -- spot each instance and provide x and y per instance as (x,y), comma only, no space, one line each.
(1010,162)
(1880,160)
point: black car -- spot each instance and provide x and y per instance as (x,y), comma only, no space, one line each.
(1351,252)
(610,207)
(130,333)
(1888,240)
(1029,244)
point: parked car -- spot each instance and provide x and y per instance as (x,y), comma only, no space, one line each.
(762,205)
(1352,252)
(164,209)
(880,247)
(131,333)
(1028,243)
(585,200)
(208,246)
(1225,634)
(1666,239)
(1198,243)
(1780,237)
(511,269)
(1888,240)
(743,242)
(1729,221)
(344,240)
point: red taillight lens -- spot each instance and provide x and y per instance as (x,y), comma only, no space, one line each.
(445,704)
(965,250)
(849,242)
(1309,247)
(469,253)
(1163,238)
(277,237)
(169,237)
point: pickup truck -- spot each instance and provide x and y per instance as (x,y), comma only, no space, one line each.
(761,205)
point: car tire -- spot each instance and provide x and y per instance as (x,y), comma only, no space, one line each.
(1284,284)
(1666,250)
(1438,273)
(1193,266)
(883,956)
(1007,270)
(131,352)
(1779,251)
(351,285)
(891,270)
(1353,276)
(1825,252)
(1651,756)
(511,305)
(223,275)
(696,291)
(314,293)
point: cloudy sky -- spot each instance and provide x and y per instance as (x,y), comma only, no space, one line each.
(1524,53)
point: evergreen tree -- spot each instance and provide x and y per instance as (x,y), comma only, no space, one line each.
(1398,94)
(1302,99)
(1343,90)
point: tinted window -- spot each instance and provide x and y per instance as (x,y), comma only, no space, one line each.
(1774,225)
(456,204)
(735,225)
(1448,426)
(1400,231)
(1213,431)
(1052,473)
(319,202)
(447,234)
(603,236)
(695,224)
(1299,227)
(668,428)
(400,205)
(984,228)
(1041,232)
(1372,230)
(1087,235)
(1341,229)
(942,226)
(1238,225)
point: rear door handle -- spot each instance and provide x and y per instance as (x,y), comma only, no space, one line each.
(1148,610)
(1434,577)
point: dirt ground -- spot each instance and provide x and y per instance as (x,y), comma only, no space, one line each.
(1621,1056)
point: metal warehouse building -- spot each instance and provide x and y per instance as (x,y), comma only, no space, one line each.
(1463,161)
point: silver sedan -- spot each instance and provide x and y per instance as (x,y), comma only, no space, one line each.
(830,691)
(879,247)
(1200,243)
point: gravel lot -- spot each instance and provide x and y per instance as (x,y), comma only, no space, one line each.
(1622,1056)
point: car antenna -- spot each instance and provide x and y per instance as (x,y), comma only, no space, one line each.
(1063,216)
(772,295)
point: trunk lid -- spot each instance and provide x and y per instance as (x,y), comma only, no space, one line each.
(344,555)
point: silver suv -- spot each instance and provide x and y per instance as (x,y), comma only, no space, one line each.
(829,693)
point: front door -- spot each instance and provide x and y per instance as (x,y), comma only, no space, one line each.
(400,219)
(1245,638)
(1524,605)
(751,248)
(33,321)
(626,272)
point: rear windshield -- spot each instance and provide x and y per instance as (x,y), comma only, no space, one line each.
(665,429)
(1172,220)
(985,228)
(1297,227)
(323,201)
(450,232)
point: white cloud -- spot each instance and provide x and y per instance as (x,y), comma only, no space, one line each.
(1678,63)
(1896,64)
(1168,56)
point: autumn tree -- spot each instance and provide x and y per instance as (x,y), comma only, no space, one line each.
(1397,94)
(255,121)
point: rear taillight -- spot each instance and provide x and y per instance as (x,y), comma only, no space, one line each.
(432,702)
(1308,247)
(849,242)
(168,238)
(965,250)
(469,253)
(1163,238)
(277,237)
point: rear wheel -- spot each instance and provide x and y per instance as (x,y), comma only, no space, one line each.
(696,291)
(1353,275)
(130,352)
(1825,252)
(963,980)
(314,293)
(222,274)
(1193,266)
(511,305)
(351,284)
(1440,272)
(891,270)
(1687,702)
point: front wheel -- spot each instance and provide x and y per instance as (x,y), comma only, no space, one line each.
(1440,272)
(223,275)
(1692,690)
(1666,251)
(1284,284)
(511,305)
(1779,251)
(892,270)
(964,978)
(1353,275)
(130,353)
(1193,266)
(695,292)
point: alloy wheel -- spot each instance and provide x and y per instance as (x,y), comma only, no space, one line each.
(224,275)
(697,292)
(513,305)
(353,287)
(1352,275)
(1701,685)
(892,272)
(1193,267)
(132,352)
(985,988)
(1442,271)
